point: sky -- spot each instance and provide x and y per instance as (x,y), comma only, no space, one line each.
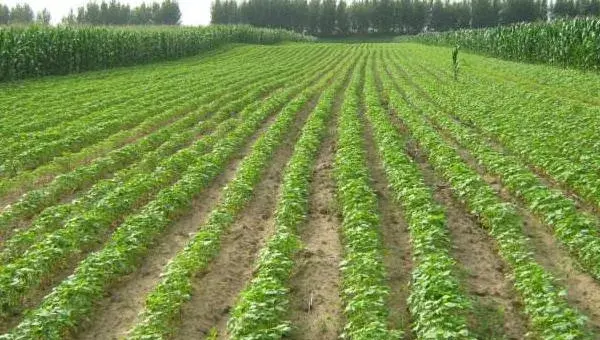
(193,12)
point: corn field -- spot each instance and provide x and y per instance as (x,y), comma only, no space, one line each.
(569,43)
(39,51)
(301,191)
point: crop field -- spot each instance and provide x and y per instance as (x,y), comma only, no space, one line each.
(302,191)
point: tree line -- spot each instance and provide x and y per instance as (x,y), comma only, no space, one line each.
(331,17)
(116,13)
(98,13)
(22,14)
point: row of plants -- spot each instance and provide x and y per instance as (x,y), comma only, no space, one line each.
(56,216)
(262,307)
(566,155)
(34,151)
(569,85)
(39,51)
(35,253)
(36,108)
(27,151)
(34,201)
(30,179)
(437,304)
(577,231)
(74,298)
(544,300)
(569,42)
(73,85)
(363,288)
(112,82)
(572,118)
(86,226)
(164,303)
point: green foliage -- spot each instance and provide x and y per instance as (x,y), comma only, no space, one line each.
(326,18)
(262,306)
(544,300)
(59,311)
(135,147)
(164,302)
(115,13)
(21,14)
(577,231)
(364,290)
(39,51)
(436,302)
(150,149)
(567,43)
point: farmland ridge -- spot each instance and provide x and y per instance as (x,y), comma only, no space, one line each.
(302,191)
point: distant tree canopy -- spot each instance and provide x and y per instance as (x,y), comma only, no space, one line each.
(328,17)
(22,14)
(115,13)
(322,17)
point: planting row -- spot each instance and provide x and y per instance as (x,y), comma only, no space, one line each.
(558,139)
(544,302)
(27,151)
(263,306)
(436,302)
(363,288)
(132,238)
(223,104)
(108,202)
(578,231)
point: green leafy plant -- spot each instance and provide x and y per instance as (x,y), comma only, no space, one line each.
(543,298)
(262,306)
(165,301)
(436,302)
(364,290)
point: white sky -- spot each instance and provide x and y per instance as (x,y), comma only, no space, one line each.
(193,12)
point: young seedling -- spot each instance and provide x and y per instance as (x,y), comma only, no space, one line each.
(455,61)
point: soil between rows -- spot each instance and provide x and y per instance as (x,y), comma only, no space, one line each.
(118,313)
(216,291)
(397,256)
(315,302)
(583,291)
(65,268)
(581,203)
(496,308)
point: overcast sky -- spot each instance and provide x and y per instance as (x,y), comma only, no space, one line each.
(193,12)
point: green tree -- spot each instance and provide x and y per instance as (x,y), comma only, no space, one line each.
(21,14)
(215,12)
(43,17)
(518,11)
(70,19)
(483,14)
(383,15)
(564,9)
(360,17)
(327,17)
(141,15)
(441,19)
(170,13)
(314,11)
(4,15)
(93,15)
(418,16)
(342,20)
(299,18)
